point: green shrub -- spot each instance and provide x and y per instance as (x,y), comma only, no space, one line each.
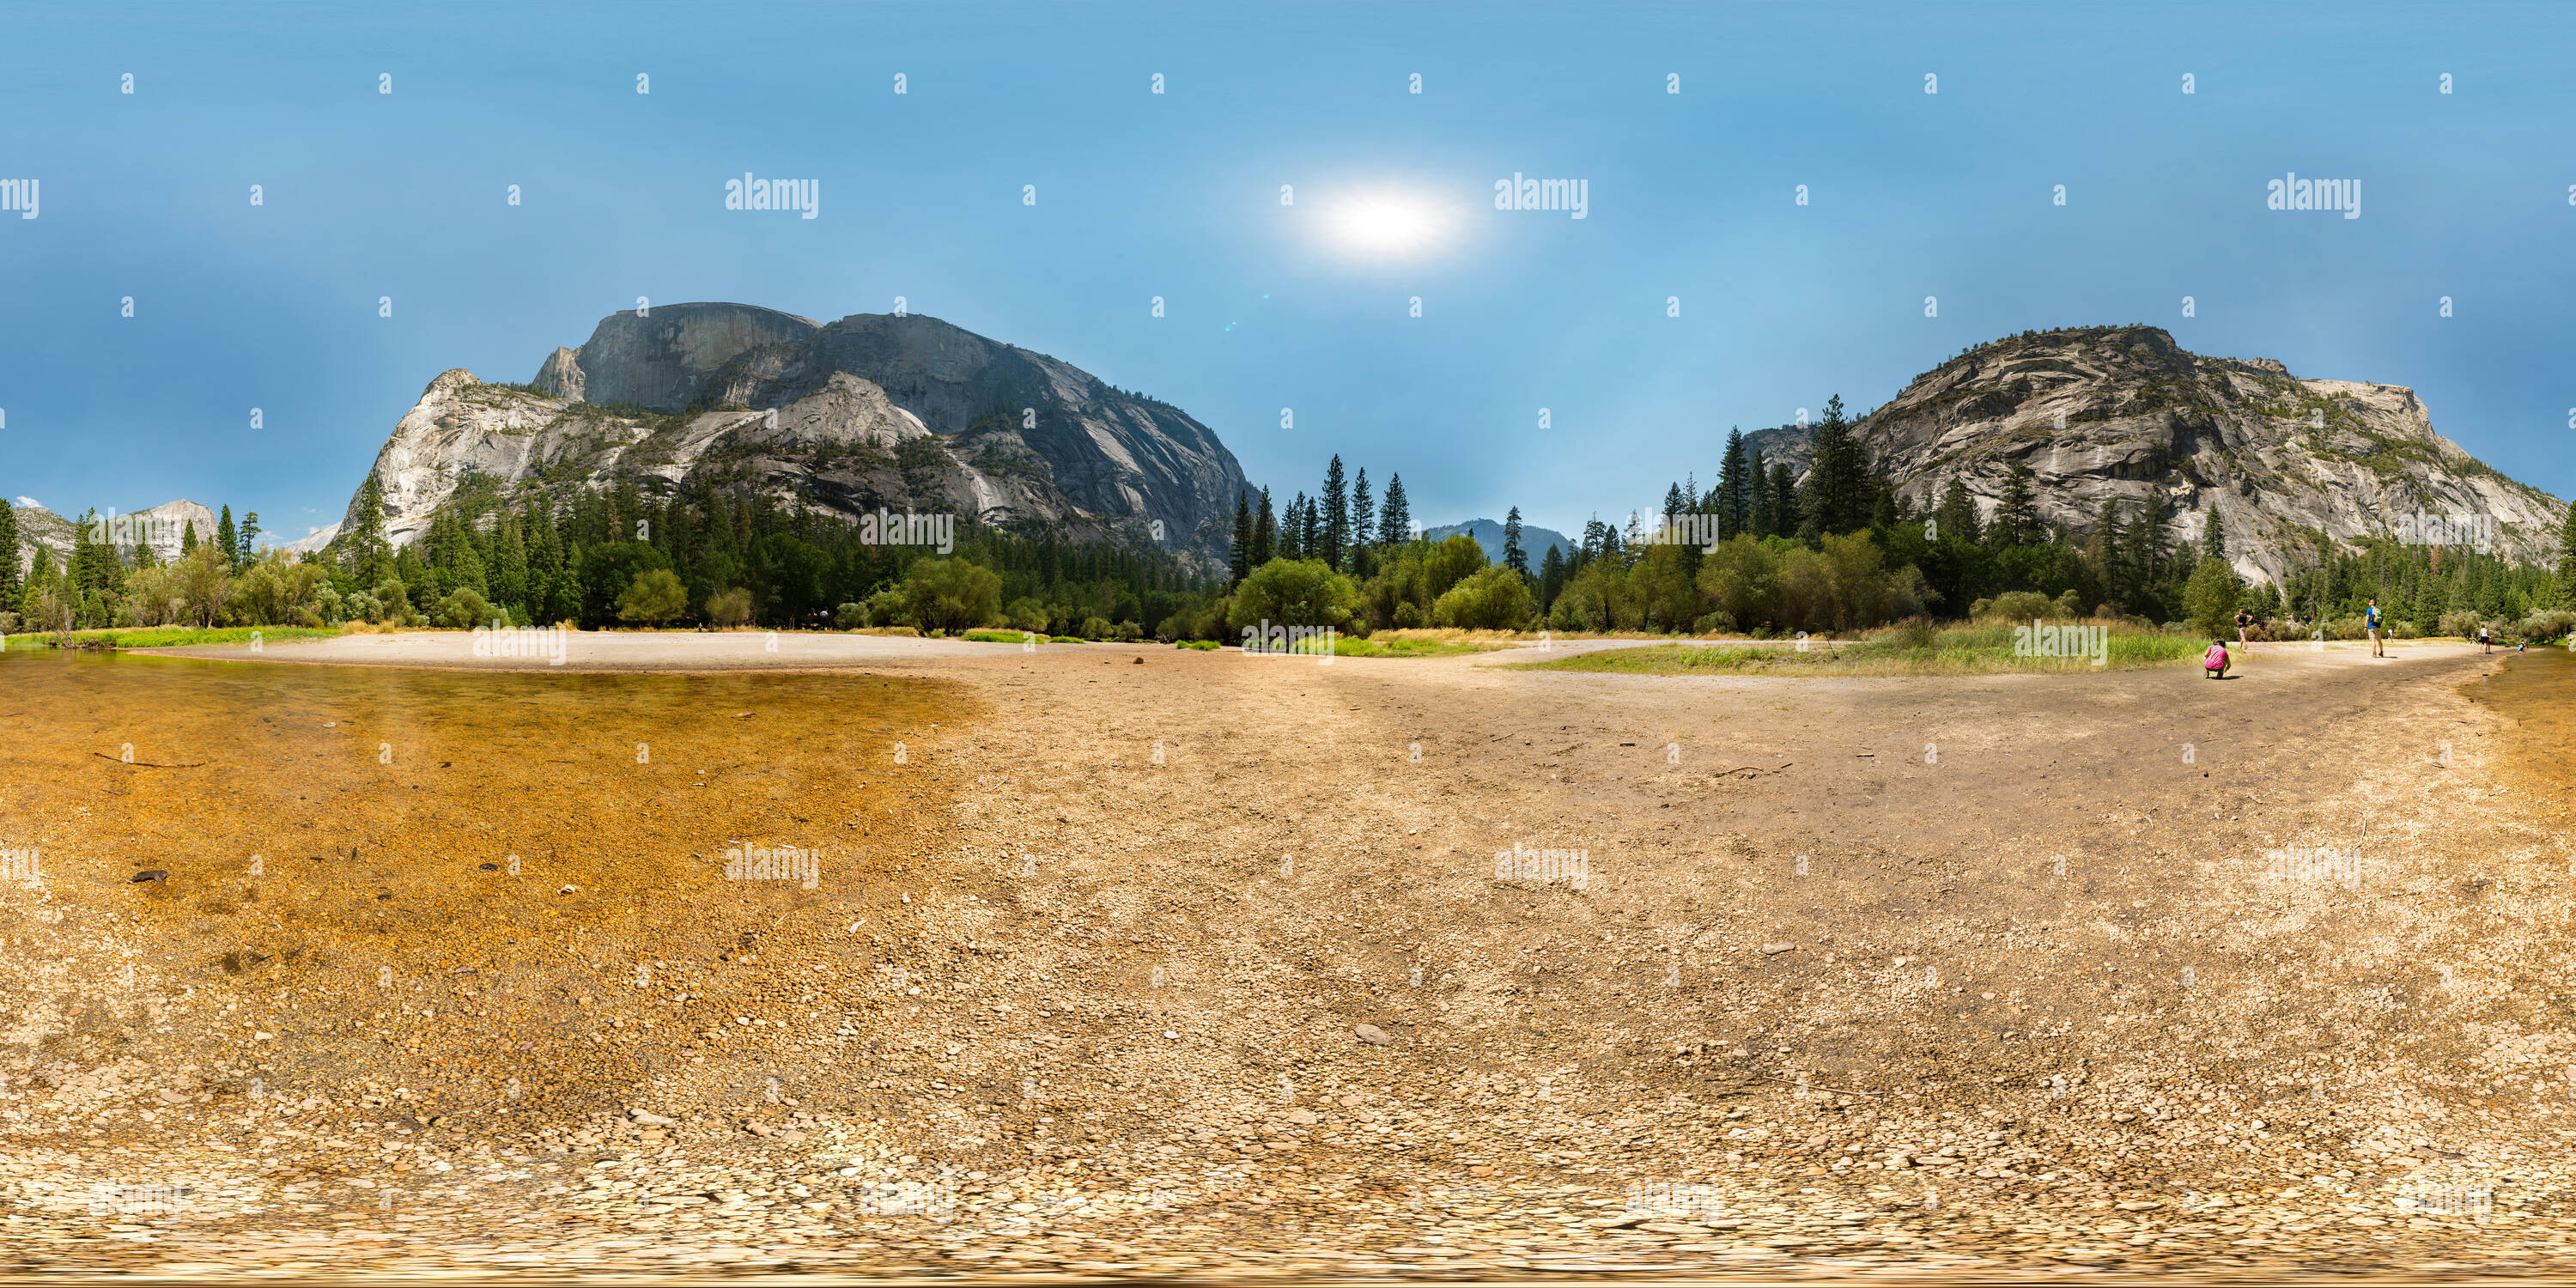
(1496,599)
(2015,606)
(654,597)
(1295,592)
(951,595)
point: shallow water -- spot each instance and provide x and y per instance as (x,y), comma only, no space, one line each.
(322,826)
(2537,691)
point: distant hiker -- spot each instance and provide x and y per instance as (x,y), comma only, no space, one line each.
(2486,640)
(2243,620)
(2215,660)
(2370,618)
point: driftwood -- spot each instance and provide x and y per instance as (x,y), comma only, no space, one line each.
(145,764)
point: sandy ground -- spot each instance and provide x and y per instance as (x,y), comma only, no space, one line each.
(1188,959)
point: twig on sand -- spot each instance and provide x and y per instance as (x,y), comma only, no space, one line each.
(146,764)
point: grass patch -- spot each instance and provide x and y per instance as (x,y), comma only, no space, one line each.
(997,637)
(1196,644)
(1967,649)
(176,636)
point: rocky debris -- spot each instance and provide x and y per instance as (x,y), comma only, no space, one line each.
(1371,1034)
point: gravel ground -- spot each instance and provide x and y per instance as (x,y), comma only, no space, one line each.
(1202,963)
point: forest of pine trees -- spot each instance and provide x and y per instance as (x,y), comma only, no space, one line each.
(1835,551)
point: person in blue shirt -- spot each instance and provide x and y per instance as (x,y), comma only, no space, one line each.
(2371,619)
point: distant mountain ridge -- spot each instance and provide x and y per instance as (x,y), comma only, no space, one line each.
(157,526)
(900,412)
(1489,534)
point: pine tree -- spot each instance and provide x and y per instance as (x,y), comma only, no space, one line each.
(1551,575)
(1838,495)
(1310,530)
(1758,518)
(1785,519)
(249,533)
(2213,535)
(228,539)
(1734,493)
(1360,509)
(1292,532)
(510,568)
(369,557)
(2151,544)
(1265,532)
(187,538)
(2567,559)
(1957,516)
(2017,520)
(1337,515)
(1395,519)
(1241,562)
(10,585)
(1514,557)
(40,579)
(2109,549)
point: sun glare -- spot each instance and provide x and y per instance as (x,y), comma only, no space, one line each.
(1385,224)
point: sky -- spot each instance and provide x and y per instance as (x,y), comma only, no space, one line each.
(1028,184)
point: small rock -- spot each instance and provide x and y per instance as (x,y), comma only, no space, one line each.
(648,1119)
(1301,1117)
(1776,949)
(490,867)
(155,874)
(1372,1034)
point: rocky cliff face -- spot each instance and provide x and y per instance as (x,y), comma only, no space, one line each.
(157,527)
(2123,412)
(869,411)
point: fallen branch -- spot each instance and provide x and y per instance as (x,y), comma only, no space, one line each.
(146,764)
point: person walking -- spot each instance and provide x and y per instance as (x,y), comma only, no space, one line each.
(2486,639)
(2243,620)
(2370,619)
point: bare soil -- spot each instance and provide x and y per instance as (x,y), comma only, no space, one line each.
(1184,959)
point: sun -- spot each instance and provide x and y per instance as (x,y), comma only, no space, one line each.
(1387,224)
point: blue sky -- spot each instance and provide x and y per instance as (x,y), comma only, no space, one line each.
(370,195)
